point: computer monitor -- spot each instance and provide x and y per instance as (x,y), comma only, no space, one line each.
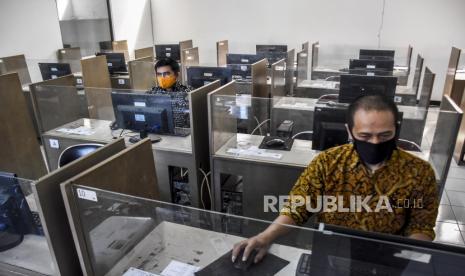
(377,54)
(168,51)
(240,71)
(198,76)
(353,86)
(242,58)
(143,112)
(372,64)
(272,53)
(354,252)
(329,128)
(105,45)
(115,62)
(365,72)
(54,70)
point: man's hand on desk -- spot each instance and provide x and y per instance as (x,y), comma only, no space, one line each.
(263,241)
(259,242)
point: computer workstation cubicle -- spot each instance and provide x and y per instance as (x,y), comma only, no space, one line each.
(401,71)
(181,156)
(455,88)
(281,157)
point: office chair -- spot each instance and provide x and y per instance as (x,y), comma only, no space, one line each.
(75,152)
(408,145)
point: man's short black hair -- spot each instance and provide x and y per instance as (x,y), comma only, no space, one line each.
(372,103)
(167,62)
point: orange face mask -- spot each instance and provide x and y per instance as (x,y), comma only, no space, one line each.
(166,82)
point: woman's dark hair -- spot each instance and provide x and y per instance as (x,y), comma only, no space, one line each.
(372,103)
(167,62)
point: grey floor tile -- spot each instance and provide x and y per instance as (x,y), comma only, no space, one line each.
(455,184)
(456,198)
(445,214)
(448,233)
(457,172)
(444,199)
(459,213)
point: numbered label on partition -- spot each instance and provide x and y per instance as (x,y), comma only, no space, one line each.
(54,143)
(168,54)
(208,74)
(87,195)
(53,69)
(244,67)
(244,60)
(397,99)
(109,64)
(54,77)
(139,104)
(121,81)
(63,51)
(79,81)
(371,66)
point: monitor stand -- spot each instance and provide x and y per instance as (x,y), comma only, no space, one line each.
(142,135)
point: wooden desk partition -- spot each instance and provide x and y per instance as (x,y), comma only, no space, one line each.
(189,57)
(259,86)
(315,54)
(52,210)
(144,52)
(95,72)
(98,87)
(450,76)
(131,172)
(222,49)
(72,56)
(290,68)
(15,64)
(122,47)
(57,102)
(19,150)
(306,45)
(278,79)
(302,66)
(142,73)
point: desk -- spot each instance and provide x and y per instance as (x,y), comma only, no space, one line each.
(261,175)
(171,241)
(170,151)
(300,110)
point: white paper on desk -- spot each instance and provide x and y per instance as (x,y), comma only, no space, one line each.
(137,272)
(176,268)
(78,131)
(255,151)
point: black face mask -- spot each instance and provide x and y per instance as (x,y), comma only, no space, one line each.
(374,153)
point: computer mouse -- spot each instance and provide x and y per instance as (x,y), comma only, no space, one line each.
(275,143)
(245,265)
(134,139)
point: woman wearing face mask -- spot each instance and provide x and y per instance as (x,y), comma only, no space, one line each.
(370,166)
(167,73)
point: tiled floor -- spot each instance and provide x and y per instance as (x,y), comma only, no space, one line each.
(450,224)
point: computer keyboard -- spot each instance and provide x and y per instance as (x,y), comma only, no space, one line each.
(303,268)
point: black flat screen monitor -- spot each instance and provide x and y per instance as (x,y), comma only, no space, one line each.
(198,76)
(329,128)
(365,72)
(115,62)
(240,71)
(272,53)
(353,86)
(143,112)
(354,252)
(242,58)
(54,70)
(377,54)
(372,64)
(172,51)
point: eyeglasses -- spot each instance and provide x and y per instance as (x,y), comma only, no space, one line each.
(163,74)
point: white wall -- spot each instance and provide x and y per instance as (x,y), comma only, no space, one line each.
(341,26)
(30,28)
(132,21)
